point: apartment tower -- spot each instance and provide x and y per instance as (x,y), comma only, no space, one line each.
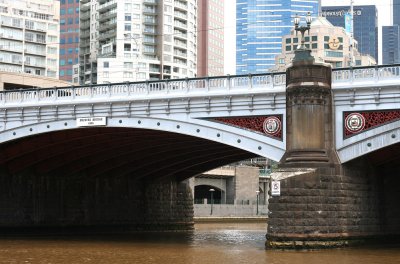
(29,37)
(137,40)
(210,50)
(69,38)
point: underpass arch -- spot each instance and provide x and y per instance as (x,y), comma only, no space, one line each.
(236,137)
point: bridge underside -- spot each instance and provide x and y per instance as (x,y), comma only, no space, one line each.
(105,177)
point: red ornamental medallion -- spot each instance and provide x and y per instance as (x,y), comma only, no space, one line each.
(354,122)
(272,126)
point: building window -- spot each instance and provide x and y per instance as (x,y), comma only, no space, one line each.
(288,48)
(106,74)
(127,47)
(288,40)
(128,17)
(338,64)
(128,65)
(128,74)
(295,40)
(314,38)
(335,54)
(106,64)
(128,27)
(314,46)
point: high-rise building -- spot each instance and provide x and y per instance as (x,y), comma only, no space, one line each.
(137,40)
(260,25)
(365,22)
(29,36)
(210,48)
(396,12)
(390,44)
(69,38)
(328,44)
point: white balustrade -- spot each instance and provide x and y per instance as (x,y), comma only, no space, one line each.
(223,84)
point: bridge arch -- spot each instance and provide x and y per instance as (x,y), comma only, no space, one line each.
(370,141)
(259,145)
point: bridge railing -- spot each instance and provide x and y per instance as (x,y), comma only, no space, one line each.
(372,73)
(178,86)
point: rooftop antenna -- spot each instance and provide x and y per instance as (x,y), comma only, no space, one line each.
(319,8)
(351,33)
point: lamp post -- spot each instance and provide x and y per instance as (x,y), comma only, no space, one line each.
(302,29)
(212,200)
(258,193)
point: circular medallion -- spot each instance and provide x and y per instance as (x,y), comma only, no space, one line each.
(272,125)
(354,122)
(333,43)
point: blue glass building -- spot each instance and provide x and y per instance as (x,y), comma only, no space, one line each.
(390,44)
(365,20)
(396,12)
(391,38)
(260,25)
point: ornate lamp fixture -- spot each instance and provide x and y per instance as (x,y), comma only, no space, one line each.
(302,29)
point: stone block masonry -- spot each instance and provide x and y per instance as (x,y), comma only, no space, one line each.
(320,208)
(34,202)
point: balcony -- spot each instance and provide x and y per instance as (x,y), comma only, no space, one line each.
(84,25)
(180,15)
(10,61)
(108,15)
(35,27)
(180,54)
(33,51)
(180,25)
(85,7)
(107,25)
(180,5)
(107,35)
(150,2)
(180,34)
(107,6)
(181,44)
(149,30)
(150,21)
(13,24)
(84,15)
(150,11)
(149,40)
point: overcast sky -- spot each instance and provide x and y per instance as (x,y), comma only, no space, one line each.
(384,19)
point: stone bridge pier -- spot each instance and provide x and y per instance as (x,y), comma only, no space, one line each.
(37,202)
(324,203)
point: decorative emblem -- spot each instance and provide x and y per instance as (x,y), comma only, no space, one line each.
(272,125)
(354,122)
(334,43)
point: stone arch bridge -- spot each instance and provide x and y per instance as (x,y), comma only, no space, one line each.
(64,149)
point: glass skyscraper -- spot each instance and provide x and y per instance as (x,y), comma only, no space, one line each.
(390,44)
(396,12)
(365,25)
(260,25)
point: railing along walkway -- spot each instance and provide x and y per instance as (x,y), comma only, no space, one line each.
(187,87)
(195,86)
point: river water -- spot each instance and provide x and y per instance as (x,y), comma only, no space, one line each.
(209,243)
